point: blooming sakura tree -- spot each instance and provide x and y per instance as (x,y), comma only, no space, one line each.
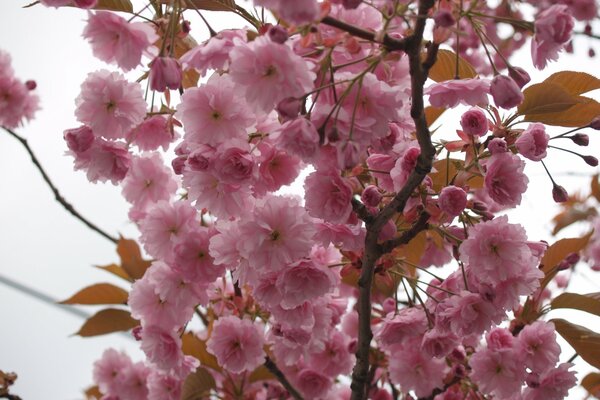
(336,295)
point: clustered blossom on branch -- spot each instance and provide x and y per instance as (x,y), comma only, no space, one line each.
(279,281)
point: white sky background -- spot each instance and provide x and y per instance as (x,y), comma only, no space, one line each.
(42,246)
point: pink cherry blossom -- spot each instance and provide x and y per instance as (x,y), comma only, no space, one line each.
(471,92)
(233,163)
(17,103)
(109,104)
(453,200)
(193,260)
(237,344)
(276,168)
(554,384)
(154,132)
(303,281)
(500,372)
(505,181)
(165,72)
(466,314)
(328,196)
(474,122)
(163,387)
(538,344)
(104,161)
(297,12)
(313,384)
(506,92)
(162,347)
(438,344)
(214,53)
(398,328)
(109,370)
(410,368)
(553,27)
(269,72)
(134,382)
(113,39)
(148,181)
(299,137)
(533,142)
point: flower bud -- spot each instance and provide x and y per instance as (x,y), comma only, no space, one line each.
(474,122)
(559,194)
(453,200)
(444,19)
(79,139)
(351,4)
(165,72)
(519,75)
(178,164)
(506,92)
(590,160)
(278,34)
(371,196)
(30,85)
(573,258)
(85,3)
(595,124)
(497,145)
(186,27)
(288,108)
(580,139)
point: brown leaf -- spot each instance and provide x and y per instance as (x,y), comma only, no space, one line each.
(432,114)
(595,187)
(261,374)
(446,170)
(444,68)
(116,270)
(198,385)
(585,342)
(131,258)
(107,321)
(583,302)
(560,249)
(580,114)
(195,347)
(544,98)
(100,293)
(115,5)
(575,83)
(570,216)
(211,5)
(591,383)
(93,393)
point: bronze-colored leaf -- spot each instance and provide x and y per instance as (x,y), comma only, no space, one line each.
(100,293)
(595,187)
(585,342)
(93,393)
(591,383)
(116,270)
(445,171)
(115,5)
(261,374)
(210,5)
(544,98)
(131,258)
(193,346)
(444,68)
(198,385)
(575,83)
(580,114)
(583,302)
(433,113)
(562,248)
(571,215)
(107,321)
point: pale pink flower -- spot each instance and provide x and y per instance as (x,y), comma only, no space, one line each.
(109,104)
(452,200)
(403,167)
(104,161)
(384,163)
(165,72)
(303,281)
(336,358)
(113,39)
(163,387)
(162,347)
(553,27)
(412,370)
(79,139)
(237,344)
(233,163)
(474,122)
(214,112)
(299,137)
(193,260)
(505,182)
(297,12)
(439,344)
(470,92)
(465,314)
(398,328)
(269,72)
(347,237)
(313,384)
(554,384)
(277,168)
(582,10)
(108,370)
(214,53)
(278,233)
(496,250)
(6,70)
(134,382)
(163,224)
(148,181)
(500,373)
(533,142)
(154,132)
(506,92)
(328,196)
(539,347)
(17,103)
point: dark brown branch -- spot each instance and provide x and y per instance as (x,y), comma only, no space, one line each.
(412,45)
(435,392)
(387,41)
(361,210)
(272,367)
(67,206)
(419,225)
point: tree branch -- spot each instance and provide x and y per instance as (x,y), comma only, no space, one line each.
(408,235)
(412,45)
(387,41)
(67,206)
(361,210)
(272,367)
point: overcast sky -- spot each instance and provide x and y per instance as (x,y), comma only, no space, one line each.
(43,247)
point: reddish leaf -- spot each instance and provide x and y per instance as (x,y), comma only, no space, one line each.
(100,293)
(198,385)
(195,347)
(585,342)
(544,98)
(579,114)
(261,374)
(559,250)
(116,270)
(93,393)
(595,187)
(432,114)
(583,302)
(570,216)
(444,68)
(115,5)
(591,383)
(131,258)
(575,83)
(107,321)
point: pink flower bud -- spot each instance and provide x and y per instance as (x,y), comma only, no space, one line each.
(444,19)
(288,108)
(186,27)
(519,75)
(573,258)
(371,196)
(595,124)
(590,160)
(453,200)
(30,85)
(85,3)
(165,72)
(580,139)
(506,92)
(79,139)
(178,164)
(351,4)
(278,34)
(137,333)
(497,145)
(474,122)
(559,194)
(533,142)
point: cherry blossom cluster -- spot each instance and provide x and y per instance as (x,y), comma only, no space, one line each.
(18,103)
(274,277)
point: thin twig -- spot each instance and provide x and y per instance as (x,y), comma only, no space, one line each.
(387,41)
(67,206)
(272,367)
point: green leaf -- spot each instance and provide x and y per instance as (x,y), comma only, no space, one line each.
(444,68)
(100,293)
(107,321)
(198,385)
(584,302)
(585,342)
